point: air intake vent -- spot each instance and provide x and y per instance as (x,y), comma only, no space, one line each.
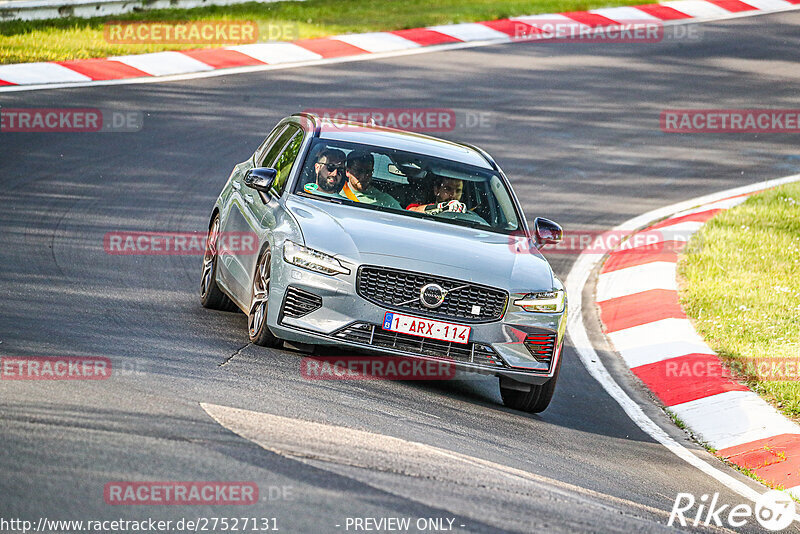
(541,344)
(298,303)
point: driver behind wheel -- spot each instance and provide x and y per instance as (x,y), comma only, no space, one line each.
(446,197)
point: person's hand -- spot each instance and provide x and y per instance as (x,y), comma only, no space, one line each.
(452,205)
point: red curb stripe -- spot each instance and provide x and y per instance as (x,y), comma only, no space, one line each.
(640,308)
(662,12)
(103,69)
(793,1)
(734,6)
(686,378)
(426,37)
(700,216)
(221,58)
(775,459)
(512,28)
(663,251)
(6,83)
(328,48)
(590,19)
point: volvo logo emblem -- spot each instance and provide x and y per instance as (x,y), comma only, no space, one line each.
(432,295)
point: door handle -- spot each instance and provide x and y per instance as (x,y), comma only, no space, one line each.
(248,199)
(236,185)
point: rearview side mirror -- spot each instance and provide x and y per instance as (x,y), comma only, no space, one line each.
(260,178)
(547,232)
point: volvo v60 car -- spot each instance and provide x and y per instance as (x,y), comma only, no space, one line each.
(393,242)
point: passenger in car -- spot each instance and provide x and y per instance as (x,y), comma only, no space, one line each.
(446,197)
(358,184)
(329,171)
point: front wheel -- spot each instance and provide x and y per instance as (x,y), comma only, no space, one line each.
(257,328)
(534,401)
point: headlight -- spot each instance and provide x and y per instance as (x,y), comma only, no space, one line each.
(543,301)
(311,259)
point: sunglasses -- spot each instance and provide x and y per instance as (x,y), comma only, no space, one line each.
(333,167)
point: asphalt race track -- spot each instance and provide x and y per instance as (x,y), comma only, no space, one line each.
(575,126)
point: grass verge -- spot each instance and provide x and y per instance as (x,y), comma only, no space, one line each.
(740,283)
(72,38)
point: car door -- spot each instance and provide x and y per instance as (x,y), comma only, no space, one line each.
(254,211)
(234,216)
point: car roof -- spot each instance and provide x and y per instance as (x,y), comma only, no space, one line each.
(357,132)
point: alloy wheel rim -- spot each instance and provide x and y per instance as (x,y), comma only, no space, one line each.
(258,307)
(208,258)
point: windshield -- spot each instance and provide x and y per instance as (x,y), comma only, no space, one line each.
(415,185)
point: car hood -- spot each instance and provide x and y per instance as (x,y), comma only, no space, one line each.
(365,236)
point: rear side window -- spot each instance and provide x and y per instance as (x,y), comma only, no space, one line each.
(275,148)
(286,160)
(268,145)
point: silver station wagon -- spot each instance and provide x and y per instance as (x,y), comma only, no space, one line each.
(392,242)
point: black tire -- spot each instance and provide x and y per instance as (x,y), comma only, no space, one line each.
(534,401)
(257,329)
(211,296)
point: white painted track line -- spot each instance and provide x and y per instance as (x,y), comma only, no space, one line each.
(25,73)
(471,32)
(624,14)
(631,280)
(377,42)
(733,418)
(658,341)
(163,63)
(769,5)
(697,8)
(272,53)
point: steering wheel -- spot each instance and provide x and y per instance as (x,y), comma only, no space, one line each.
(468,216)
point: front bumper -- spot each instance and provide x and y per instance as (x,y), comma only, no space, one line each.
(344,318)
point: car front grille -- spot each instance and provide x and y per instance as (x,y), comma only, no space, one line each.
(375,336)
(400,290)
(298,303)
(541,344)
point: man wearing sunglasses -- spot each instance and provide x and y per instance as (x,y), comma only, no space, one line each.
(329,170)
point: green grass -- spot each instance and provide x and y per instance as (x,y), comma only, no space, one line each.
(740,283)
(72,38)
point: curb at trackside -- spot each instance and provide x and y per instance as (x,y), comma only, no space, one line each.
(577,279)
(637,298)
(207,62)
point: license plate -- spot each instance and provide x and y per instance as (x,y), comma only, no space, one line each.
(415,326)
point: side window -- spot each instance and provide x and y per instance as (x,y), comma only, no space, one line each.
(268,143)
(286,160)
(268,160)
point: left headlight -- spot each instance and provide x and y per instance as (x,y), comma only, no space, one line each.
(543,301)
(311,259)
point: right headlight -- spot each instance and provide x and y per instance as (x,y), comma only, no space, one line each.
(311,259)
(543,301)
